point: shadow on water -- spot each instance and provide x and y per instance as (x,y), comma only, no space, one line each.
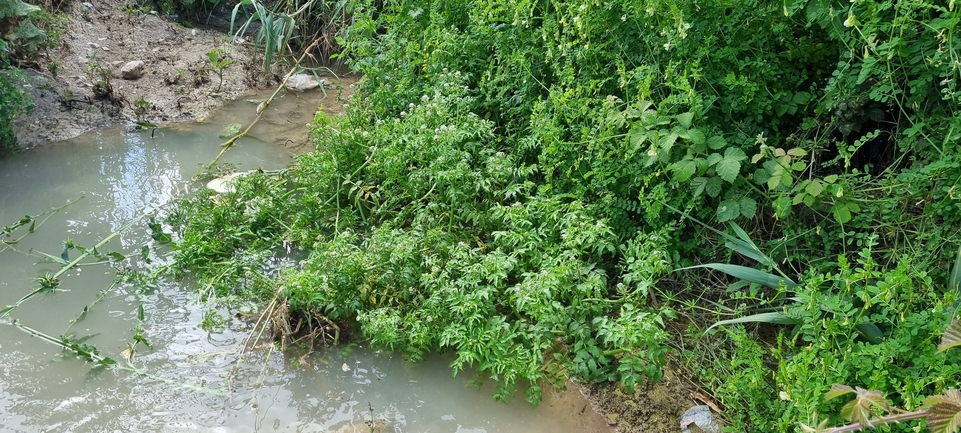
(121,175)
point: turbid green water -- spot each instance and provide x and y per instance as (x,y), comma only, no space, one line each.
(195,381)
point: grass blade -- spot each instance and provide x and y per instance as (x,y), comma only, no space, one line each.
(773,317)
(748,274)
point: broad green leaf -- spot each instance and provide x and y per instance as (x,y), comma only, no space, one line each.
(714,185)
(836,391)
(797,151)
(697,137)
(728,169)
(714,158)
(748,274)
(697,185)
(814,188)
(728,210)
(685,119)
(735,154)
(748,207)
(841,213)
(684,169)
(782,206)
(870,332)
(716,142)
(951,336)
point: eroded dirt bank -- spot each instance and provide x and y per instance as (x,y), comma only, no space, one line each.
(177,81)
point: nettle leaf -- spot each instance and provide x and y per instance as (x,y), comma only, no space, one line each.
(685,119)
(684,169)
(861,409)
(717,142)
(944,412)
(951,336)
(728,210)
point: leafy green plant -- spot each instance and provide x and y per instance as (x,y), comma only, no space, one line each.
(220,61)
(100,76)
(870,409)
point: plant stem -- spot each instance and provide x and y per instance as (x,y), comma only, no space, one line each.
(890,419)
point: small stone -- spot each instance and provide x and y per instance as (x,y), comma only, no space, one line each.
(132,70)
(116,63)
(93,45)
(612,418)
(193,32)
(105,48)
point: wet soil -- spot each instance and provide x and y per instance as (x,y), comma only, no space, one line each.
(178,83)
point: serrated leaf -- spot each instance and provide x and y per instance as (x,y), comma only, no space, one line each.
(814,188)
(797,151)
(684,169)
(951,336)
(860,409)
(728,169)
(831,178)
(714,185)
(697,137)
(728,210)
(685,119)
(782,206)
(697,185)
(798,166)
(836,391)
(714,158)
(841,213)
(944,418)
(748,207)
(735,154)
(716,142)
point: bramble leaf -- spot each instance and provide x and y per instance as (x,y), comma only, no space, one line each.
(684,169)
(728,210)
(836,391)
(951,336)
(860,409)
(944,412)
(716,142)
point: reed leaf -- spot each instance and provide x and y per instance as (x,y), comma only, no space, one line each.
(748,274)
(772,317)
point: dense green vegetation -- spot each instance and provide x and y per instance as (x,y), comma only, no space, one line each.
(522,182)
(25,31)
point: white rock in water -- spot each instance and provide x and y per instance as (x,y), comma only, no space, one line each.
(132,70)
(224,184)
(301,82)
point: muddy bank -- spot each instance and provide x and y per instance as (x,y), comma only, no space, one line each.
(177,81)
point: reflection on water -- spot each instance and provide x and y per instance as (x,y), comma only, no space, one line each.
(195,381)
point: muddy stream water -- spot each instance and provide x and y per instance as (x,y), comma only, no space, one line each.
(194,381)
